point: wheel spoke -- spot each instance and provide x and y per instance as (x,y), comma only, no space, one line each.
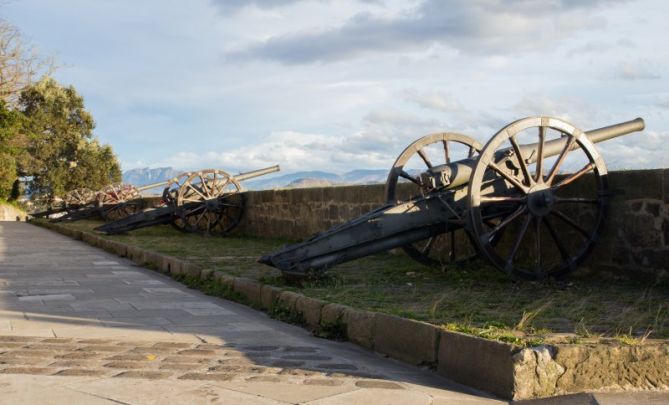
(192,187)
(447,156)
(407,176)
(571,222)
(556,239)
(506,221)
(497,200)
(540,155)
(538,259)
(423,156)
(516,244)
(508,177)
(471,152)
(451,254)
(560,160)
(576,200)
(203,186)
(521,161)
(585,169)
(428,246)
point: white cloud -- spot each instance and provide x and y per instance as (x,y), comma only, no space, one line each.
(636,70)
(471,26)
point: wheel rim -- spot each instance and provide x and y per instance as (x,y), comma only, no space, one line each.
(218,203)
(449,247)
(79,197)
(539,197)
(120,200)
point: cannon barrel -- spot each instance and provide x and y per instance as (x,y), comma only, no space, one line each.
(257,173)
(457,174)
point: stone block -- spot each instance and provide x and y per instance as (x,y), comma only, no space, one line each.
(612,367)
(287,300)
(310,309)
(477,362)
(360,326)
(249,289)
(91,239)
(189,269)
(135,254)
(153,259)
(171,265)
(269,296)
(206,274)
(224,279)
(536,372)
(638,183)
(405,339)
(333,314)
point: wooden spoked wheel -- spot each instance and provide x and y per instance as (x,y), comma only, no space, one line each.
(429,152)
(79,197)
(555,216)
(209,201)
(119,201)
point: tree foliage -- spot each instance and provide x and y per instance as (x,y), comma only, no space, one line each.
(10,150)
(63,152)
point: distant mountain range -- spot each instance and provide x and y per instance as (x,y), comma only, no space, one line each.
(144,176)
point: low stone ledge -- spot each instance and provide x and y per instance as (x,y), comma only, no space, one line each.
(477,362)
(249,289)
(333,315)
(360,326)
(193,270)
(287,300)
(205,274)
(405,339)
(269,296)
(310,310)
(135,254)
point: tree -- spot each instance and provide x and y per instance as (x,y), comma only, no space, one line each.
(19,63)
(63,153)
(10,149)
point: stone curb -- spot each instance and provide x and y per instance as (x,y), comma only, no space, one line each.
(503,369)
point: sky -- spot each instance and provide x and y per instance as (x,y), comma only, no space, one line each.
(338,85)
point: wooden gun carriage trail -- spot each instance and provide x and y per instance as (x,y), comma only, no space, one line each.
(532,201)
(201,201)
(206,201)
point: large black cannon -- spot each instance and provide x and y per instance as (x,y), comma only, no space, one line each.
(206,201)
(538,180)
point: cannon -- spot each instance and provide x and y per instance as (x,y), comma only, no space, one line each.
(539,180)
(72,201)
(207,201)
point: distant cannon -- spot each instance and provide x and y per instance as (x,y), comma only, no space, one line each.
(206,201)
(512,190)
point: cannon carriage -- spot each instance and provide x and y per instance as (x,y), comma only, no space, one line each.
(532,201)
(206,201)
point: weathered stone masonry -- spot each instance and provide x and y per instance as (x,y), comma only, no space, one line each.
(635,239)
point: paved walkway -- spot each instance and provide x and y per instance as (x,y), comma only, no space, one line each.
(79,324)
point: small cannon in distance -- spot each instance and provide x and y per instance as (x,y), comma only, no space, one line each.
(113,202)
(207,201)
(511,190)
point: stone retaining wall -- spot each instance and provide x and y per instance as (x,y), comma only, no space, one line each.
(635,239)
(503,369)
(11,213)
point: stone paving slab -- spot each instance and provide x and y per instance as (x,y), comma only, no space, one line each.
(142,337)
